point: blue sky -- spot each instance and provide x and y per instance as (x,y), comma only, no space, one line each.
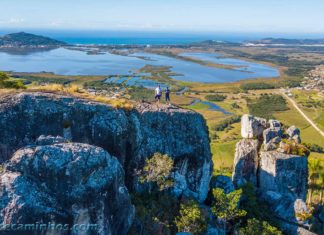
(289,16)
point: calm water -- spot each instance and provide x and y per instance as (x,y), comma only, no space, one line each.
(71,62)
(215,107)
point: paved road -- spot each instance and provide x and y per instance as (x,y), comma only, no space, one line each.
(303,114)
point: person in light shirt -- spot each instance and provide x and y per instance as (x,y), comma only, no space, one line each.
(158,93)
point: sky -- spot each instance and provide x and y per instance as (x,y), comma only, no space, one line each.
(291,16)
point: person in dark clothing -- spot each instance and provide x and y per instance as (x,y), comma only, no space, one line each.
(167,95)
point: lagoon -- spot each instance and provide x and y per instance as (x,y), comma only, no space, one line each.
(73,62)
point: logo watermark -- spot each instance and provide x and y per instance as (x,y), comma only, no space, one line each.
(49,226)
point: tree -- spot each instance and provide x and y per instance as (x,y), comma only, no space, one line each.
(191,219)
(226,206)
(256,227)
(158,169)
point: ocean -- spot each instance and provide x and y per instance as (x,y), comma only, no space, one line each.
(150,38)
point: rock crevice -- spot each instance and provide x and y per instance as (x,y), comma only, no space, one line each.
(132,136)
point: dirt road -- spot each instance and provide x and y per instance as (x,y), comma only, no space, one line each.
(303,114)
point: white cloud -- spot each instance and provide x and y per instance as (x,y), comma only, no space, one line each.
(12,21)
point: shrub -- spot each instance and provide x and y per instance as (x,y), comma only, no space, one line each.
(3,76)
(266,105)
(314,148)
(13,84)
(191,218)
(215,98)
(291,147)
(158,169)
(226,206)
(256,86)
(155,213)
(255,208)
(226,123)
(256,227)
(5,82)
(235,106)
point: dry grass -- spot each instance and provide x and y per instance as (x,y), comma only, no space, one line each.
(79,92)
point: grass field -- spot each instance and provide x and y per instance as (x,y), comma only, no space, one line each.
(223,148)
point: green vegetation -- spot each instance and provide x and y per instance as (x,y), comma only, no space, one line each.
(266,105)
(315,180)
(155,211)
(158,170)
(141,94)
(314,148)
(255,208)
(7,82)
(226,206)
(226,123)
(235,106)
(291,147)
(26,39)
(3,76)
(191,218)
(256,227)
(256,86)
(215,98)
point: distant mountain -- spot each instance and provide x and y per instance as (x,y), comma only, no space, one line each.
(285,41)
(27,40)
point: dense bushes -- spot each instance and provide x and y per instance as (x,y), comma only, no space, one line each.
(314,148)
(215,98)
(191,218)
(266,105)
(256,227)
(226,123)
(293,82)
(6,82)
(256,86)
(160,212)
(291,147)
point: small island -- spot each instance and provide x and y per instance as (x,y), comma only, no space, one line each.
(28,41)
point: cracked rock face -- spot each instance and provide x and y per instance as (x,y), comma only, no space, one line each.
(252,127)
(246,162)
(132,136)
(283,173)
(67,183)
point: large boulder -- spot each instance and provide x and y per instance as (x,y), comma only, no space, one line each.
(252,127)
(130,135)
(283,173)
(246,162)
(67,183)
(271,133)
(294,134)
(223,182)
(274,123)
(287,209)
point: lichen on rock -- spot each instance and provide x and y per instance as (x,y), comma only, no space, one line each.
(66,183)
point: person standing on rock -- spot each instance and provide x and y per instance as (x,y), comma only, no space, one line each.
(167,95)
(158,93)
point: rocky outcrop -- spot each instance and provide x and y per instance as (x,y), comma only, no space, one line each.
(223,182)
(252,127)
(65,183)
(278,169)
(294,134)
(246,162)
(132,136)
(283,173)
